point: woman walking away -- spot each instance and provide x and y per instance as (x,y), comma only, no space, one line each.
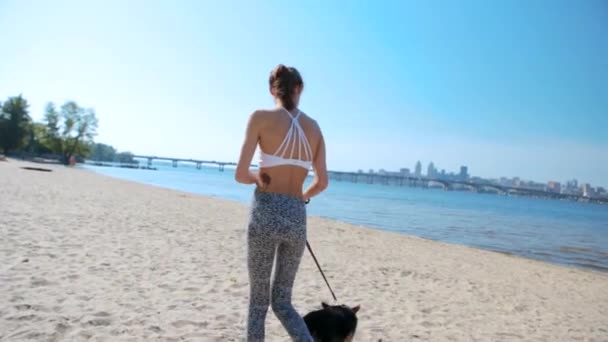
(291,143)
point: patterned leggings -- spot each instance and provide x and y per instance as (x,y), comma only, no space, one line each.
(277,227)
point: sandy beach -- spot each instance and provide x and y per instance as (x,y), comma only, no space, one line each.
(88,257)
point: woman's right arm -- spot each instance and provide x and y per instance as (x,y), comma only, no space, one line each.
(319,166)
(243,174)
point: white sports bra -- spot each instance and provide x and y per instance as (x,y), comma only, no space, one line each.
(288,153)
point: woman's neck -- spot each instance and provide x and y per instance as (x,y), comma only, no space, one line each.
(293,110)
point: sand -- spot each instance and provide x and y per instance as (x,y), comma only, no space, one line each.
(88,257)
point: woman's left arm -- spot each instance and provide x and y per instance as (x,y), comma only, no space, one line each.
(243,174)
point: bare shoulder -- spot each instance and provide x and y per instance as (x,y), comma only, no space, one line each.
(260,116)
(312,122)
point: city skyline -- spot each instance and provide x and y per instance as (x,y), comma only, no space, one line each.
(463,170)
(464,174)
(490,85)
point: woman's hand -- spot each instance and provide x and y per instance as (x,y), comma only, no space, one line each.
(262,181)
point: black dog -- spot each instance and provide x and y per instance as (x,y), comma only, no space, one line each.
(335,323)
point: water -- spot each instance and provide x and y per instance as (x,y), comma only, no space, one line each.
(563,232)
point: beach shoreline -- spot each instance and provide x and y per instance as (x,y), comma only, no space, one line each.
(89,256)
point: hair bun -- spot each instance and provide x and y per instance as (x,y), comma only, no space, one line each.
(283,82)
(281,69)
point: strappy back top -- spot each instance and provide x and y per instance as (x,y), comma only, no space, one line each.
(294,150)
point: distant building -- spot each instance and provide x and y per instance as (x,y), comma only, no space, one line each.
(382,172)
(554,187)
(418,169)
(464,173)
(505,181)
(517,182)
(587,190)
(371,171)
(571,188)
(431,171)
(404,171)
(360,171)
(536,186)
(572,185)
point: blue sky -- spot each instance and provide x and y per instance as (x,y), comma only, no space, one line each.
(509,88)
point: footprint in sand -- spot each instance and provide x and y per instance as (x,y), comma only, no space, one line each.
(156,329)
(99,319)
(16,299)
(183,323)
(426,310)
(23,307)
(60,330)
(38,282)
(201,307)
(31,317)
(237,286)
(99,322)
(164,286)
(85,334)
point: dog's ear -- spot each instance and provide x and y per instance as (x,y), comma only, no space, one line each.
(356,308)
(324,305)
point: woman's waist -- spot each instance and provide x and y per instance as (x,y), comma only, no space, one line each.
(282,191)
(284,180)
(277,194)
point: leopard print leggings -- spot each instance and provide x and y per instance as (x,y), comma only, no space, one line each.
(277,226)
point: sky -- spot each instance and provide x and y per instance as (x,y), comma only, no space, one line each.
(507,88)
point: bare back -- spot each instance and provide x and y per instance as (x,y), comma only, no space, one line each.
(276,132)
(273,126)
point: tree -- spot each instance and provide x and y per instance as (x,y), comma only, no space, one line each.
(14,123)
(38,142)
(102,152)
(70,131)
(125,158)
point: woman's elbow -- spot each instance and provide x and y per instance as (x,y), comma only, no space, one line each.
(323,183)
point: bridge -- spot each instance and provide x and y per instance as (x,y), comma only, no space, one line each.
(451,184)
(174,161)
(397,179)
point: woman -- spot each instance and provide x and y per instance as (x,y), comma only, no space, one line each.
(290,143)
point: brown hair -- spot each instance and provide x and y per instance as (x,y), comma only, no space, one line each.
(283,82)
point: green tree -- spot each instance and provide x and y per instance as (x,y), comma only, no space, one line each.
(125,158)
(70,130)
(38,142)
(14,123)
(102,152)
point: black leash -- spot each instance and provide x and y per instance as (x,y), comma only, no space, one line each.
(319,266)
(320,270)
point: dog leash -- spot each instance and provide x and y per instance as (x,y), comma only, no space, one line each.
(319,266)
